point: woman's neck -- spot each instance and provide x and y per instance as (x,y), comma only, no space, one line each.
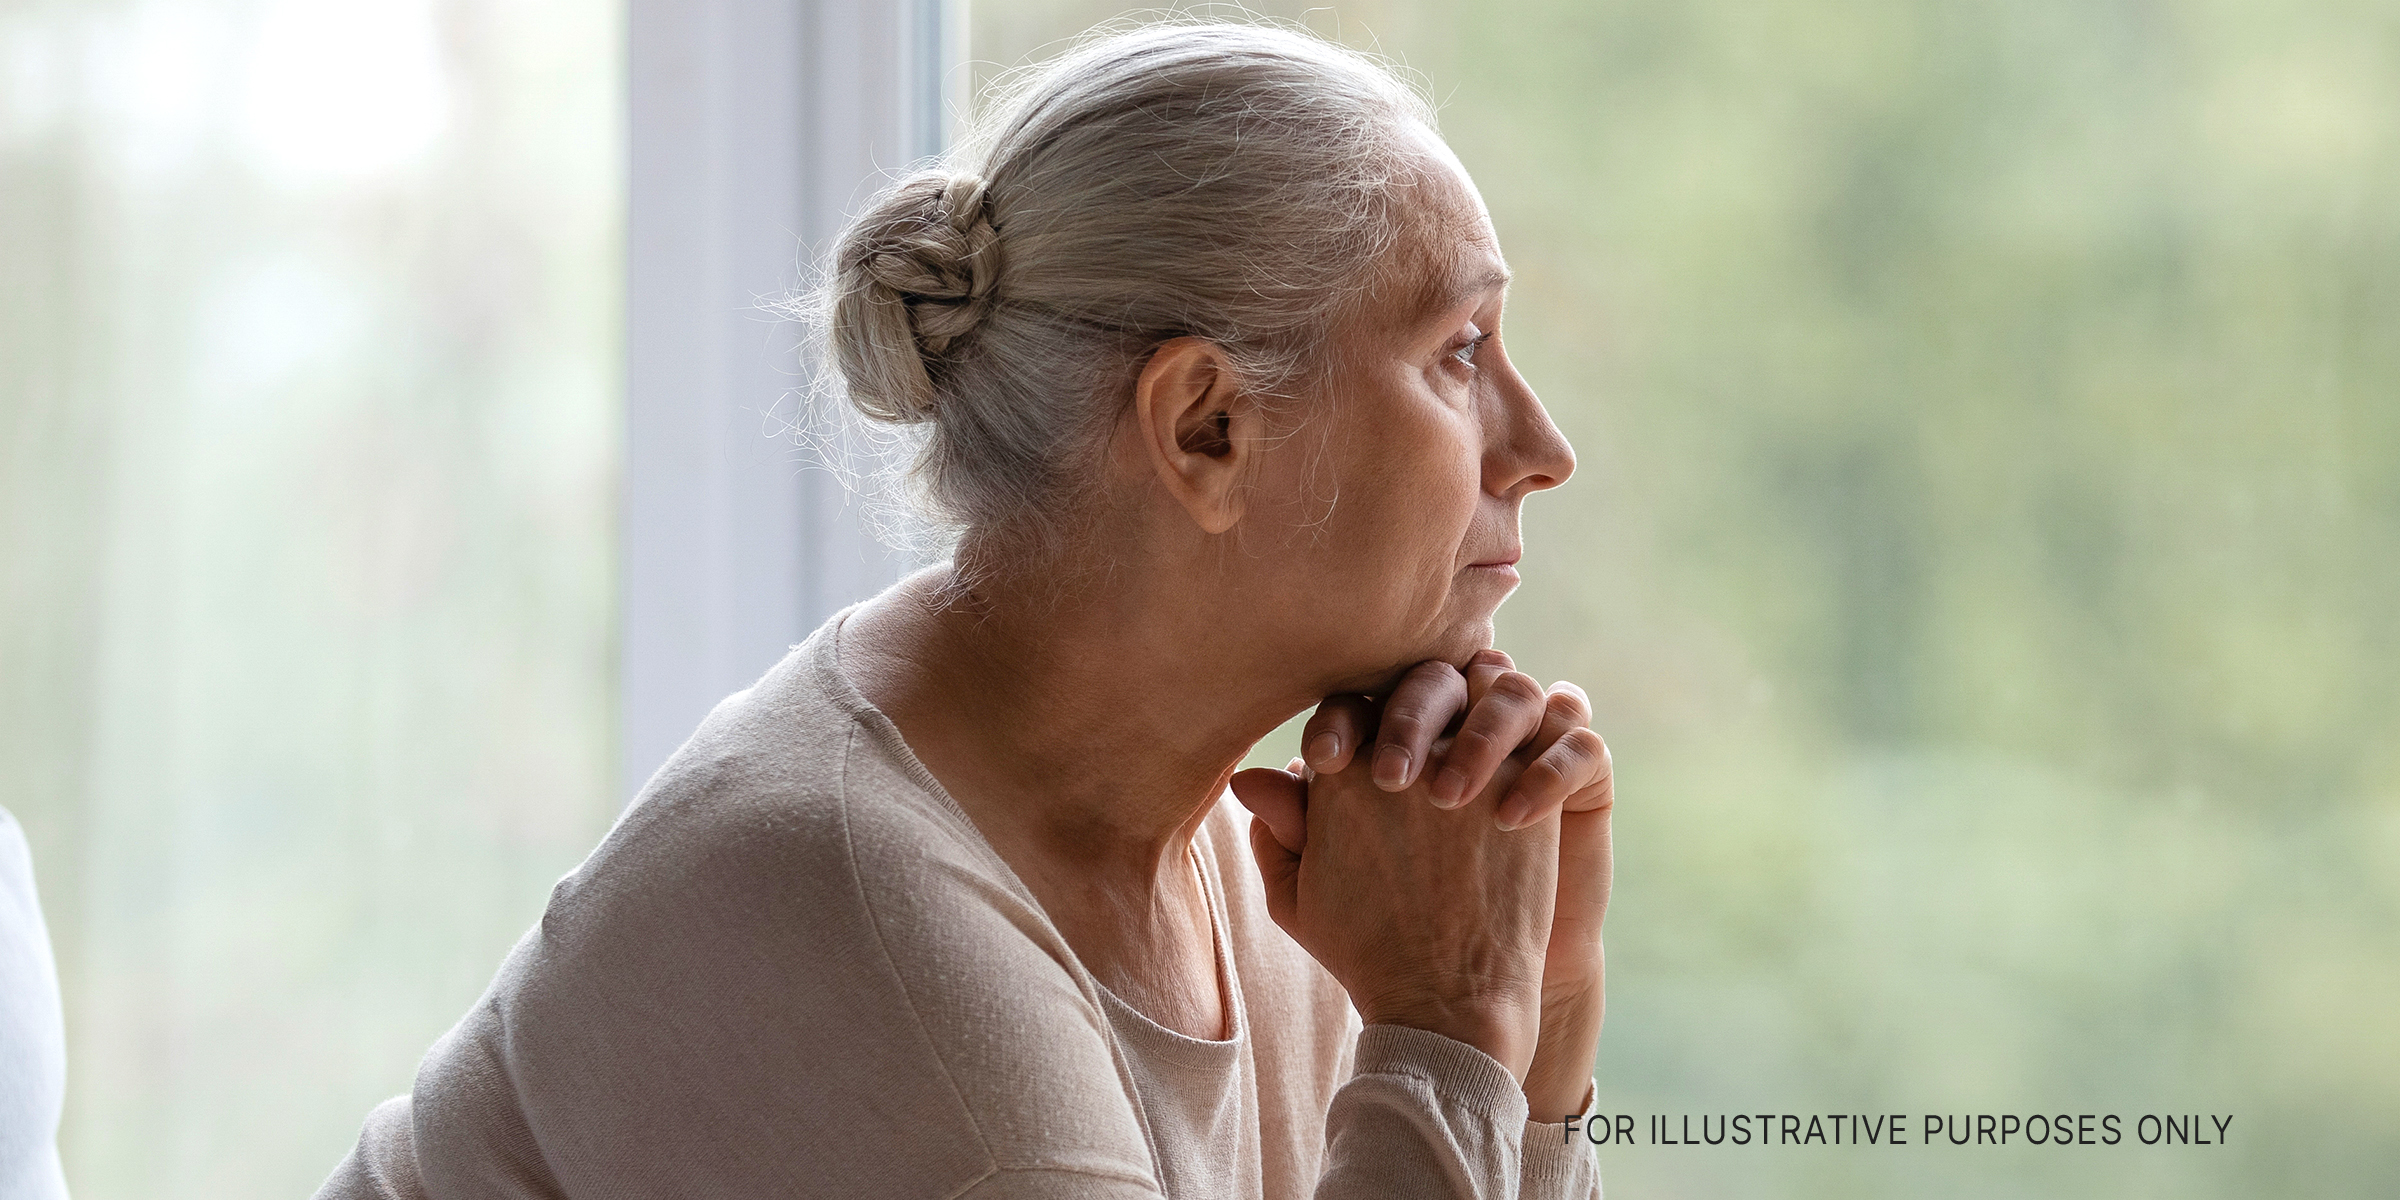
(1098,728)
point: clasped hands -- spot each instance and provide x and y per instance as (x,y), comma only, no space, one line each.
(1445,854)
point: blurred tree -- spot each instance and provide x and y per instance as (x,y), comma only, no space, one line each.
(1985,558)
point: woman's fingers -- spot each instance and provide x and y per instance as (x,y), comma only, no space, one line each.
(1564,707)
(1279,868)
(1558,778)
(1417,712)
(1278,804)
(1279,799)
(1486,666)
(1335,732)
(1505,715)
(1573,774)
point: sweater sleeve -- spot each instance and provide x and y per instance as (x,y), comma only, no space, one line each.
(383,1165)
(1423,1115)
(771,980)
(1559,1163)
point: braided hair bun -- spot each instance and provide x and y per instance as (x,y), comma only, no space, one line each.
(913,279)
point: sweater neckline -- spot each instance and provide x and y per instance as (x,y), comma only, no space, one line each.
(1227,980)
(825,670)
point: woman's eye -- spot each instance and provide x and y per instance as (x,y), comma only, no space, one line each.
(1466,353)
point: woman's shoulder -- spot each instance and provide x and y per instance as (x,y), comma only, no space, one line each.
(795,811)
(774,760)
(787,932)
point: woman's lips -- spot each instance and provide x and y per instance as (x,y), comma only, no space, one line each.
(1505,568)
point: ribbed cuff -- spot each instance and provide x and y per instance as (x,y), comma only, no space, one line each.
(1458,1073)
(1560,1165)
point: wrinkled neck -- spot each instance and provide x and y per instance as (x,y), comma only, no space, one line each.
(1101,723)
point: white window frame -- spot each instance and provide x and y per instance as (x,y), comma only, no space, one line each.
(753,128)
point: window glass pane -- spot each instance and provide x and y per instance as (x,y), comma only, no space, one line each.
(308,403)
(1983,559)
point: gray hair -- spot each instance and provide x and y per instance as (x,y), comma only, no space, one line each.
(1231,182)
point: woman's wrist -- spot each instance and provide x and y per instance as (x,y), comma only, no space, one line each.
(1559,1077)
(1485,1025)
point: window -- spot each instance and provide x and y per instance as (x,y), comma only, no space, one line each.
(314,348)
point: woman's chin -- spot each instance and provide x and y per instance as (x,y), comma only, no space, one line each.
(1379,670)
(1459,641)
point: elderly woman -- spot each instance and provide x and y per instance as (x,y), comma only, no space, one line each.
(1202,334)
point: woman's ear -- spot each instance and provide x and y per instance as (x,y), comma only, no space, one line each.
(1199,428)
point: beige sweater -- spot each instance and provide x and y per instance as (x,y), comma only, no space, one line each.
(795,967)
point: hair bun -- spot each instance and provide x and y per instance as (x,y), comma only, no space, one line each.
(916,274)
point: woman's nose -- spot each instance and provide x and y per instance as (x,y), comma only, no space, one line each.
(1525,453)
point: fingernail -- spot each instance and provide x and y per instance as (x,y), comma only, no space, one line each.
(1512,810)
(1391,768)
(1449,787)
(1323,747)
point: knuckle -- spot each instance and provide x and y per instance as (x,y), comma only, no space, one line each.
(1568,703)
(1543,771)
(1414,699)
(1600,748)
(1546,790)
(1492,658)
(1403,722)
(1599,797)
(1585,744)
(1516,687)
(1426,697)
(1433,673)
(1473,744)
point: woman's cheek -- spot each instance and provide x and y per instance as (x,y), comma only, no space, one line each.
(1408,496)
(1438,530)
(1401,572)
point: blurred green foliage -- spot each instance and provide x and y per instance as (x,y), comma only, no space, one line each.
(1984,559)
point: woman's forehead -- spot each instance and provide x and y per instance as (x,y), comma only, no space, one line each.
(1451,249)
(1445,183)
(1456,262)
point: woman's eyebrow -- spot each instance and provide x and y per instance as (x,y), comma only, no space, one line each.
(1459,291)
